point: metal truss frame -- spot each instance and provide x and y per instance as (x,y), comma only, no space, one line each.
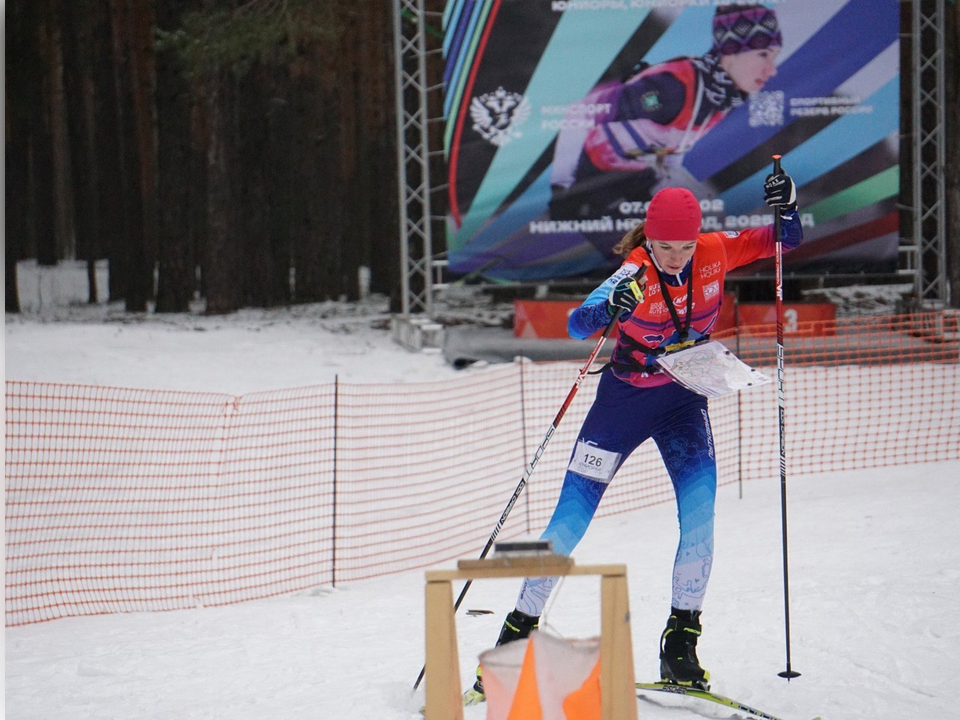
(929,206)
(413,156)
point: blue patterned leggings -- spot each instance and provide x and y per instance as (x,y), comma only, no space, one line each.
(621,418)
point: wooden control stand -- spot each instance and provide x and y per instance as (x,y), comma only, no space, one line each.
(618,699)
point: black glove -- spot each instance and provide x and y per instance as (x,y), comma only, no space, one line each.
(626,295)
(780,190)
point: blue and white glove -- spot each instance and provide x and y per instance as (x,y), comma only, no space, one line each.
(780,191)
(625,296)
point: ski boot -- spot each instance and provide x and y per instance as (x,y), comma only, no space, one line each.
(475,695)
(517,626)
(678,651)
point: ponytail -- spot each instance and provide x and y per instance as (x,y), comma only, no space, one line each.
(633,239)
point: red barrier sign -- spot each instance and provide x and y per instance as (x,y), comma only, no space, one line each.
(728,313)
(806,319)
(548,318)
(542,318)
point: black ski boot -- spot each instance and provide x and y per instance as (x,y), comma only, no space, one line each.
(517,626)
(678,650)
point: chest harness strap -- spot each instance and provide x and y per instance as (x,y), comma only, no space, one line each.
(630,363)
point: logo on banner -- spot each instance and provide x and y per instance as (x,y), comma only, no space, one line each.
(651,101)
(497,115)
(766,109)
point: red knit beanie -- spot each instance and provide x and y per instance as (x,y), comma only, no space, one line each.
(673,216)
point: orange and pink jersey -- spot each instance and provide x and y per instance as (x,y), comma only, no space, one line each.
(651,329)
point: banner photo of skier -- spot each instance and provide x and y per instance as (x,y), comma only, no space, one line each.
(564,117)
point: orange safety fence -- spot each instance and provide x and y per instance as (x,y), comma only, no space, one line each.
(123,500)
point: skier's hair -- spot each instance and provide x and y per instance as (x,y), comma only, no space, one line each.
(633,239)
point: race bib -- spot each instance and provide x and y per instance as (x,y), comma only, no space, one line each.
(593,462)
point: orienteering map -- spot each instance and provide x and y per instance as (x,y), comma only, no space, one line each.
(711,369)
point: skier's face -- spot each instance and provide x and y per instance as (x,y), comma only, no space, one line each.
(673,256)
(750,70)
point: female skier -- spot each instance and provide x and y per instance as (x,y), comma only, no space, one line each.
(657,115)
(669,290)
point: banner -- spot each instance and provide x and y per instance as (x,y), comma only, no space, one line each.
(565,116)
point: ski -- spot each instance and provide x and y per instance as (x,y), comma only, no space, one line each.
(704,695)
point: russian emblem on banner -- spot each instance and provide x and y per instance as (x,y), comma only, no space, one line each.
(497,115)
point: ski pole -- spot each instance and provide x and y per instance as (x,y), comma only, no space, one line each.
(788,673)
(536,457)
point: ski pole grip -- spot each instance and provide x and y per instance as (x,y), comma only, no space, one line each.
(777,170)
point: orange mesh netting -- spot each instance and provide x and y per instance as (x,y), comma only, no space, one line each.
(121,500)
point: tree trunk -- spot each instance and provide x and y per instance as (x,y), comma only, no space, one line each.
(280,185)
(222,268)
(143,94)
(18,93)
(132,29)
(265,277)
(123,260)
(377,149)
(355,238)
(141,84)
(66,248)
(14,221)
(41,170)
(179,189)
(109,186)
(319,204)
(78,49)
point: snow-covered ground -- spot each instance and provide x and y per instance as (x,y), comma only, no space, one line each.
(244,352)
(874,580)
(861,300)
